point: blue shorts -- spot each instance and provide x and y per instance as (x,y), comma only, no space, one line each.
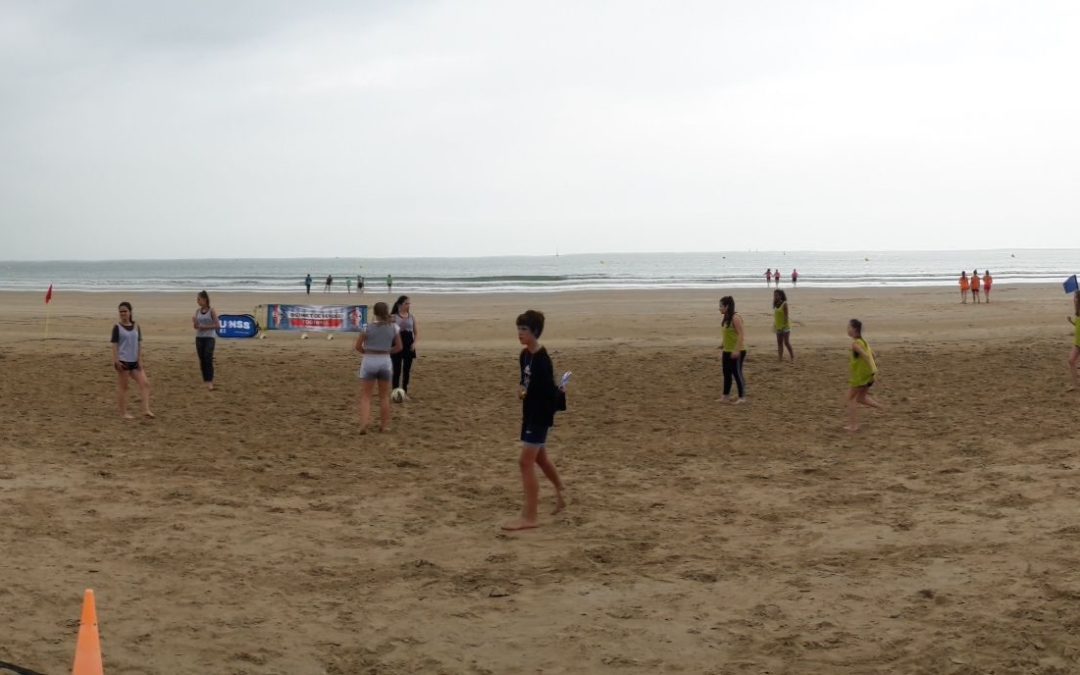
(533,437)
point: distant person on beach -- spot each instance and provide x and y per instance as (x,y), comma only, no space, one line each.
(964,286)
(389,283)
(378,341)
(1074,353)
(863,372)
(776,277)
(348,284)
(988,281)
(768,276)
(782,324)
(976,283)
(359,284)
(307,284)
(128,360)
(794,277)
(734,350)
(205,322)
(329,282)
(403,317)
(539,402)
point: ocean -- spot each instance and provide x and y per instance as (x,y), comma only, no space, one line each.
(613,271)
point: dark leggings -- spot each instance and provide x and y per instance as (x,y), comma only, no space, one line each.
(733,370)
(204,347)
(403,361)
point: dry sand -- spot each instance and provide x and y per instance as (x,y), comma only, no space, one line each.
(251,530)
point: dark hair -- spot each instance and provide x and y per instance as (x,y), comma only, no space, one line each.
(402,299)
(533,320)
(857,325)
(778,298)
(131,312)
(729,315)
(205,296)
(975,272)
(380,311)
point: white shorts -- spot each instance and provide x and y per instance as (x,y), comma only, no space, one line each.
(376,367)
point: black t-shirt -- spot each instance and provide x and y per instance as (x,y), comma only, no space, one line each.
(538,378)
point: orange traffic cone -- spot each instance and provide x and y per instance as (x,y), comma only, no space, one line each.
(88,648)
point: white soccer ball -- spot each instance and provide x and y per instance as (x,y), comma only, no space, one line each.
(303,336)
(329,337)
(398,395)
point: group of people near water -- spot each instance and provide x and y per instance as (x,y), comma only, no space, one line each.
(974,284)
(388,345)
(360,283)
(774,276)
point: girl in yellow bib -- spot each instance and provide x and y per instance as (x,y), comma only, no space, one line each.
(863,372)
(734,350)
(1074,354)
(782,323)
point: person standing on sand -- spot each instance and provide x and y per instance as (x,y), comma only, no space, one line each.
(964,286)
(128,360)
(205,322)
(307,284)
(1074,353)
(405,320)
(782,323)
(539,401)
(378,341)
(976,282)
(794,277)
(329,282)
(863,372)
(734,350)
(988,281)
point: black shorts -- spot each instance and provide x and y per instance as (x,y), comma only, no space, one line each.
(129,365)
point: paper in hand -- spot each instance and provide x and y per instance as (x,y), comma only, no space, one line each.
(565,379)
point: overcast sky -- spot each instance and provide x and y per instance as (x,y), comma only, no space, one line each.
(251,128)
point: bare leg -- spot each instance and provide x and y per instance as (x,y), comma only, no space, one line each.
(865,399)
(1074,362)
(852,411)
(366,387)
(144,391)
(121,393)
(531,486)
(780,345)
(384,403)
(548,467)
(787,342)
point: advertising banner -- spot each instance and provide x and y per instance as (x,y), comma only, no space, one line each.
(237,326)
(317,318)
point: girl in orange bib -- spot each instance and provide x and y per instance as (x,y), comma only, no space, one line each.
(988,281)
(975,283)
(964,286)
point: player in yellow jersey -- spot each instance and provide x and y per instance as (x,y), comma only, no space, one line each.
(863,374)
(1074,354)
(782,323)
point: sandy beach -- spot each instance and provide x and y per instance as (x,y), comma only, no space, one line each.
(251,530)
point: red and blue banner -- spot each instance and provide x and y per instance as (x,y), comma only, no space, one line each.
(317,318)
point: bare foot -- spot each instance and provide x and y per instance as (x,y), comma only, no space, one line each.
(210,386)
(128,416)
(520,524)
(850,428)
(363,431)
(147,413)
(740,401)
(384,430)
(560,503)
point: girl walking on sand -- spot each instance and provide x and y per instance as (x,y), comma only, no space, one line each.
(205,323)
(1074,353)
(782,324)
(128,361)
(377,342)
(863,373)
(734,350)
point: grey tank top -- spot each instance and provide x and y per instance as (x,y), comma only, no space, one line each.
(206,323)
(405,322)
(380,337)
(128,343)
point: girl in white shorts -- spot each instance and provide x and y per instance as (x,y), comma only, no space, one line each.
(377,342)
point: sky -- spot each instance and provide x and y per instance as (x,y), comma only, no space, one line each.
(274,128)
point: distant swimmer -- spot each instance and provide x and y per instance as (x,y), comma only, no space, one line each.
(768,276)
(307,284)
(976,283)
(782,324)
(389,283)
(776,277)
(964,286)
(794,277)
(988,281)
(329,283)
(863,372)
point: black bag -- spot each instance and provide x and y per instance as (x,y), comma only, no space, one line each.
(560,400)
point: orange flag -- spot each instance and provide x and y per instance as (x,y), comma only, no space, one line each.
(48,294)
